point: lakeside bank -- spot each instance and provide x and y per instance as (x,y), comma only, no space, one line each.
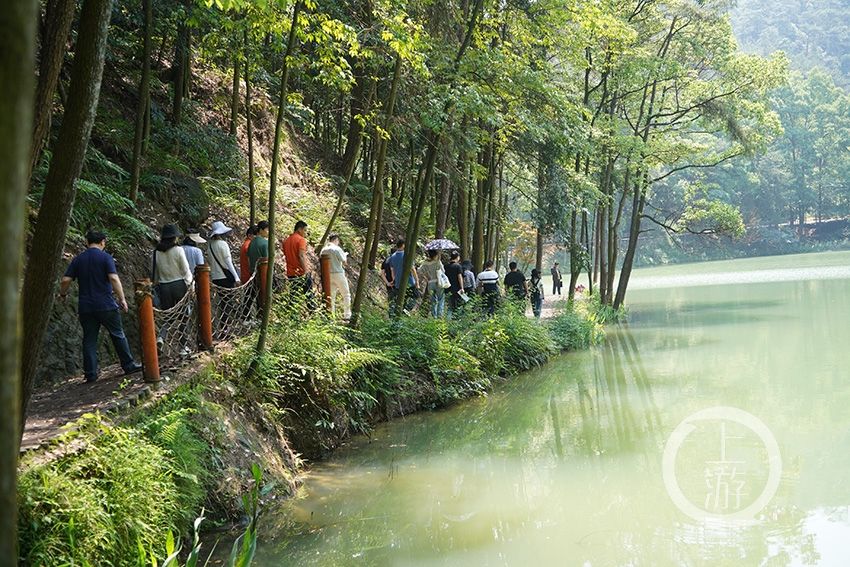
(120,484)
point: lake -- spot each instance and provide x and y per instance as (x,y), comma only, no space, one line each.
(711,429)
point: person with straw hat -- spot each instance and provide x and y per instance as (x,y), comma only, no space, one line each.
(222,271)
(194,255)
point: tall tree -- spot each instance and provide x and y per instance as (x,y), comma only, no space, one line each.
(60,186)
(278,139)
(58,18)
(144,100)
(17,58)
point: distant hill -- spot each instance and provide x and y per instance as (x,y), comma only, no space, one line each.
(814,33)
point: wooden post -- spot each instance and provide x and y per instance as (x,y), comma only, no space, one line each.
(262,275)
(147,330)
(202,289)
(325,262)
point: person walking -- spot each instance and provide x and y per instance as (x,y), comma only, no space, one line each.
(222,271)
(557,281)
(468,278)
(99,285)
(396,262)
(430,271)
(171,276)
(338,259)
(488,284)
(245,264)
(297,265)
(194,255)
(170,269)
(259,247)
(515,283)
(454,271)
(536,285)
(387,275)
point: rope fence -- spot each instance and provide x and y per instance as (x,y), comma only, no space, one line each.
(177,328)
(207,313)
(234,310)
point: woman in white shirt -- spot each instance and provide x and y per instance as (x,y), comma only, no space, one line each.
(169,269)
(222,271)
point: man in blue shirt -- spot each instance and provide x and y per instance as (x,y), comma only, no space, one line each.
(396,262)
(98,281)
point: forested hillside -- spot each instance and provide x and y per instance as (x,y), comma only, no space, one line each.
(814,33)
(794,195)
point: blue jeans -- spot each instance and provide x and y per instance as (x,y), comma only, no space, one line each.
(438,299)
(537,305)
(91,323)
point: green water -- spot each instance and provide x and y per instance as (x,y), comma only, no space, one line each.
(563,466)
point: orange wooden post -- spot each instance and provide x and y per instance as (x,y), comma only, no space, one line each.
(202,289)
(147,330)
(262,275)
(325,263)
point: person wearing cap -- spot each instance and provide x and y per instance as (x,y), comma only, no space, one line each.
(169,268)
(259,247)
(99,285)
(222,271)
(244,262)
(194,255)
(339,283)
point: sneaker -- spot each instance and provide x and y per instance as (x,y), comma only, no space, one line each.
(133,368)
(185,351)
(91,379)
(159,342)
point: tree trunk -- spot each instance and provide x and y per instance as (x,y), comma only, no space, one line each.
(249,130)
(638,202)
(478,225)
(349,173)
(17,58)
(442,208)
(60,187)
(181,61)
(462,192)
(377,196)
(234,95)
(278,139)
(144,100)
(58,18)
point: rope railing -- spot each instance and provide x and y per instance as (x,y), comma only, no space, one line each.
(234,310)
(177,328)
(205,314)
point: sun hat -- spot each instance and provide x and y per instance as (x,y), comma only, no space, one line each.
(195,236)
(218,228)
(169,231)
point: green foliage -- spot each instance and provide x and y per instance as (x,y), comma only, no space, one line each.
(573,328)
(123,491)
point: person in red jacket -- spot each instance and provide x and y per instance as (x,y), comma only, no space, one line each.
(244,263)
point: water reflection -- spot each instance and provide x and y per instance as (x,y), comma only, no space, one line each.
(563,466)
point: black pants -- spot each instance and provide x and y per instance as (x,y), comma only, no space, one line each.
(171,293)
(556,288)
(303,285)
(91,323)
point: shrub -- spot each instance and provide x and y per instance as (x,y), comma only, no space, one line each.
(574,329)
(96,507)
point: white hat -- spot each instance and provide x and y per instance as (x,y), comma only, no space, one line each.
(195,236)
(218,228)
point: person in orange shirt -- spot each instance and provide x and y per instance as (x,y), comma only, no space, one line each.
(297,264)
(244,262)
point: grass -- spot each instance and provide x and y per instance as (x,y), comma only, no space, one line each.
(124,489)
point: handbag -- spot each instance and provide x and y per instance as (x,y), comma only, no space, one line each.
(228,275)
(443,279)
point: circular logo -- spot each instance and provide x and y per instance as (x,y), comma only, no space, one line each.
(723,481)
